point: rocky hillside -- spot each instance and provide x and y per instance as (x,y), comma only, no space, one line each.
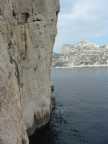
(83,54)
(27,34)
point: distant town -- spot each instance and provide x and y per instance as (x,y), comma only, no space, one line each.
(81,54)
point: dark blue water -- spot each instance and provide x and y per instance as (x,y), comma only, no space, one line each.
(81,114)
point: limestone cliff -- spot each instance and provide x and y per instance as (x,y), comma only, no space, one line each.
(27,34)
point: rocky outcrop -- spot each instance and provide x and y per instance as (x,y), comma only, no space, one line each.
(27,34)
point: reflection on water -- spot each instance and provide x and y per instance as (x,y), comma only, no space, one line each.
(81,114)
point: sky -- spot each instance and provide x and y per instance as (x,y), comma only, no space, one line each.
(82,20)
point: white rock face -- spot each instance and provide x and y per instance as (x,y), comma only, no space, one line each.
(84,54)
(27,35)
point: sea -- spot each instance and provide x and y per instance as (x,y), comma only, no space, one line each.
(81,111)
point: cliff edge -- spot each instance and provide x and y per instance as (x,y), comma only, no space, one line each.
(27,35)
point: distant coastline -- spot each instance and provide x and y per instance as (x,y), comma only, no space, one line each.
(81,54)
(80,66)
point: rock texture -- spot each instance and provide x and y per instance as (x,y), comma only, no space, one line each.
(27,34)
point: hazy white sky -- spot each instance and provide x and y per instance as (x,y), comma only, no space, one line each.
(82,19)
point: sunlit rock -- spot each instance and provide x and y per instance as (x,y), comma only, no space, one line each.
(27,35)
